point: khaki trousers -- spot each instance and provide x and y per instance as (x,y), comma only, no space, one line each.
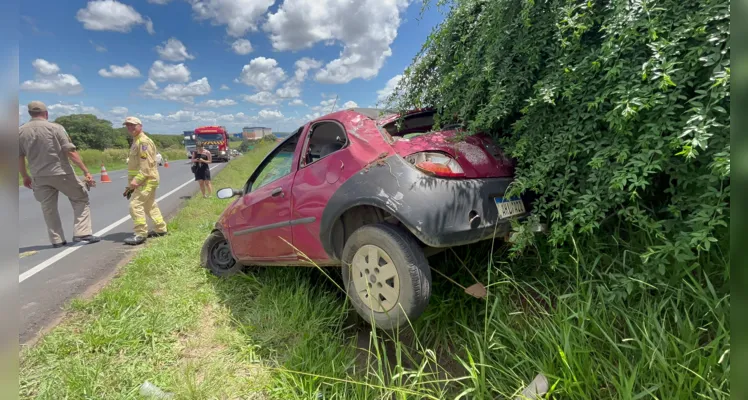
(46,189)
(142,203)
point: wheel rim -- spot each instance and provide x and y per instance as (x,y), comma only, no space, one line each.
(221,256)
(375,278)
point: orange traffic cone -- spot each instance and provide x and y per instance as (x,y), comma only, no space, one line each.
(166,164)
(104,175)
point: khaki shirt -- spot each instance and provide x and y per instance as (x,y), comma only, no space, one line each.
(142,163)
(45,145)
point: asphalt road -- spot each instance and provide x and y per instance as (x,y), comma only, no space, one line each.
(50,277)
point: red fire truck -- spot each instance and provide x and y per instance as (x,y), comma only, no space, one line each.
(216,140)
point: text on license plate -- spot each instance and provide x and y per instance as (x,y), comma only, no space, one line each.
(509,207)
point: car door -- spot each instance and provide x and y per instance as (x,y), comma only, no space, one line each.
(261,228)
(327,164)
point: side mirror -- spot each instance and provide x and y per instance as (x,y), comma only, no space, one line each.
(227,193)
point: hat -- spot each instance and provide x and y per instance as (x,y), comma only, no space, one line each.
(37,106)
(132,120)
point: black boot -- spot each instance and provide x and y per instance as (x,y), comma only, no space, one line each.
(87,238)
(156,234)
(135,240)
(58,245)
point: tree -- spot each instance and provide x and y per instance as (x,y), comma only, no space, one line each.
(89,132)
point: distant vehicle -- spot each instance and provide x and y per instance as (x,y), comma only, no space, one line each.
(357,190)
(215,139)
(189,143)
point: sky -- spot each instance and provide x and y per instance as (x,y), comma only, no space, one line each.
(180,64)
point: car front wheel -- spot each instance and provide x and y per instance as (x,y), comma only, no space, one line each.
(386,275)
(216,256)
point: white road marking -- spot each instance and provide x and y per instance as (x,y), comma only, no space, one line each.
(59,256)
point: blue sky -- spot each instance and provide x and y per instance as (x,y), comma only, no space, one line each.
(115,58)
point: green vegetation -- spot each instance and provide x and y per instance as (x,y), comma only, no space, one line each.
(89,132)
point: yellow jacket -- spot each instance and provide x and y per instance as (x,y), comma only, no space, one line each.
(142,163)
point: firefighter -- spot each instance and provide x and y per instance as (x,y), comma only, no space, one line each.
(142,174)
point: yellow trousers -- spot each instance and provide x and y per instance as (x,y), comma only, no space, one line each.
(142,203)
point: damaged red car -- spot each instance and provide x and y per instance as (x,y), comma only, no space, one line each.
(373,192)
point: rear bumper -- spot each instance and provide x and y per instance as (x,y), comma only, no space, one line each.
(457,212)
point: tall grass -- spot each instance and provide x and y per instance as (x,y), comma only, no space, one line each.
(592,326)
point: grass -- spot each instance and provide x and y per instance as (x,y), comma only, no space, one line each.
(113,159)
(601,325)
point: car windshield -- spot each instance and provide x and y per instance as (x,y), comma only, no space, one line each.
(210,137)
(188,142)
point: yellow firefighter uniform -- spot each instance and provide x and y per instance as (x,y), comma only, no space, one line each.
(142,167)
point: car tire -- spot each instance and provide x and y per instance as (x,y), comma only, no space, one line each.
(217,258)
(411,282)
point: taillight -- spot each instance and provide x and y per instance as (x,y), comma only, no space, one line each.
(438,164)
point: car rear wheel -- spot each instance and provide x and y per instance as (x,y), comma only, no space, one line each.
(216,256)
(386,275)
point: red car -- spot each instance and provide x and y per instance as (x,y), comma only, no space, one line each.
(372,194)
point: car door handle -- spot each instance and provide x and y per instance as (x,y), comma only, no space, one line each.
(277,192)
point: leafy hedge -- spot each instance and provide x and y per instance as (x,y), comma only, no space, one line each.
(616,111)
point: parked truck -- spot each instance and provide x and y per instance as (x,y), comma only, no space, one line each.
(189,143)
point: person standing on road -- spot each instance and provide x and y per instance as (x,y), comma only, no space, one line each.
(201,159)
(48,149)
(143,175)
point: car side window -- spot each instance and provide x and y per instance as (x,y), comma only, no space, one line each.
(278,166)
(325,138)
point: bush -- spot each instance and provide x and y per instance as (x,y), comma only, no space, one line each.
(617,112)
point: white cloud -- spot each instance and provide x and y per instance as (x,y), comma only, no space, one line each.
(242,47)
(174,50)
(296,102)
(48,79)
(162,72)
(225,87)
(385,92)
(120,111)
(218,103)
(111,15)
(151,117)
(149,26)
(239,16)
(149,86)
(262,73)
(200,87)
(292,88)
(179,92)
(366,29)
(60,109)
(45,67)
(325,105)
(98,47)
(350,104)
(269,115)
(262,98)
(159,2)
(116,71)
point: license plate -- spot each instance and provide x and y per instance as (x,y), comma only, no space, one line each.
(509,207)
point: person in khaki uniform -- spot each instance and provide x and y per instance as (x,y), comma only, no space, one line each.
(48,149)
(142,172)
